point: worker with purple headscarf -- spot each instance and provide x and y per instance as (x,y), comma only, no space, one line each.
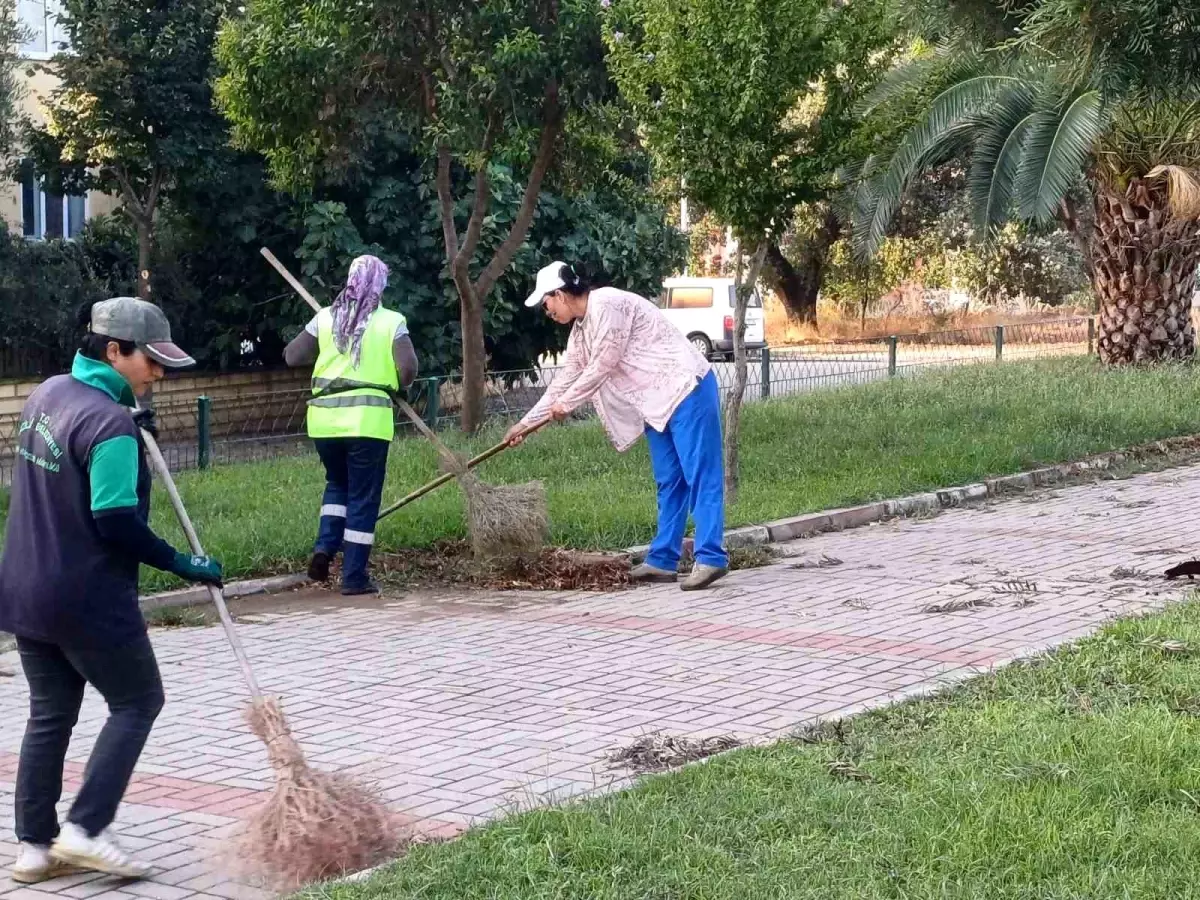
(361,356)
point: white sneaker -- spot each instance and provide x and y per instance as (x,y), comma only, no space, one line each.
(100,853)
(35,864)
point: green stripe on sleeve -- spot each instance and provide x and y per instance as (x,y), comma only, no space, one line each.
(114,471)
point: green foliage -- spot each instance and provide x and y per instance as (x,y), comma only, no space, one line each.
(714,83)
(133,103)
(44,287)
(1037,102)
(234,311)
(396,218)
(132,114)
(1016,263)
(464,73)
(11,36)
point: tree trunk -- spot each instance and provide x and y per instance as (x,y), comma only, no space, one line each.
(474,352)
(733,400)
(799,285)
(145,238)
(1144,273)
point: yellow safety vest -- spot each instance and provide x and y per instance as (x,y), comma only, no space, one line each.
(350,401)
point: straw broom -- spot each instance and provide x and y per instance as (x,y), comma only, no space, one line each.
(315,825)
(503,521)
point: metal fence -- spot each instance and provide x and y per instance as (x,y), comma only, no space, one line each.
(204,432)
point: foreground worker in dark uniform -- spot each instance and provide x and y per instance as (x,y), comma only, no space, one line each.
(77,530)
(361,356)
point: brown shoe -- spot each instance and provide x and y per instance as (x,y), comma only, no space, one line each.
(702,576)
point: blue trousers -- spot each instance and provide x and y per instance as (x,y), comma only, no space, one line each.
(690,475)
(354,473)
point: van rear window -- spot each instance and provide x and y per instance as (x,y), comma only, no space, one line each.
(755,299)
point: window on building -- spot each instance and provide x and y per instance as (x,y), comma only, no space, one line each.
(46,34)
(45,215)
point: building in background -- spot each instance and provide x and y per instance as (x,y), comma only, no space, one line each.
(24,205)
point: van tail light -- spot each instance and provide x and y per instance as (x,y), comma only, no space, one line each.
(729,324)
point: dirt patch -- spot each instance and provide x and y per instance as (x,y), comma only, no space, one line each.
(658,752)
(450,563)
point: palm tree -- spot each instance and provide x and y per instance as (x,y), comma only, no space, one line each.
(1103,94)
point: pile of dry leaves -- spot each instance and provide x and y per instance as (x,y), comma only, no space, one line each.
(451,562)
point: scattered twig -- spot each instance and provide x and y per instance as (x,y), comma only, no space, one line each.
(658,752)
(1015,587)
(1129,573)
(956,605)
(1166,645)
(825,562)
(847,771)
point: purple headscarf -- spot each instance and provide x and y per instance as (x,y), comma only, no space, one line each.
(354,305)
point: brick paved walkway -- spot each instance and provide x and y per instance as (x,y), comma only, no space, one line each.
(464,706)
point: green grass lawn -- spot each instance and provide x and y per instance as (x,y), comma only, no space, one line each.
(1075,777)
(824,449)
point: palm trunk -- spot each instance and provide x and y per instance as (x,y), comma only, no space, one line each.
(1144,273)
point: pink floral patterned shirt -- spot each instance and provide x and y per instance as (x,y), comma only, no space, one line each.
(625,357)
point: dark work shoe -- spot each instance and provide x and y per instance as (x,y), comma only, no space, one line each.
(318,567)
(356,590)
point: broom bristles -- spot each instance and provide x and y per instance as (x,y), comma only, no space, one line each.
(315,826)
(505,520)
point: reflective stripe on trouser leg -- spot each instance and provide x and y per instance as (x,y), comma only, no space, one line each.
(356,553)
(333,510)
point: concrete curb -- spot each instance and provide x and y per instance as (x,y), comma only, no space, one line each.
(195,596)
(809,524)
(803,526)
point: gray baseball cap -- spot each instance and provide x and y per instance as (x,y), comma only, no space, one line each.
(143,323)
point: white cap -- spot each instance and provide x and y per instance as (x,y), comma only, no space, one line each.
(549,280)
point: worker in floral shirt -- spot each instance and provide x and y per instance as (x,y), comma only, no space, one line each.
(643,377)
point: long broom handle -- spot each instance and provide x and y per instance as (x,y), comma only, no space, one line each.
(217,595)
(450,476)
(404,407)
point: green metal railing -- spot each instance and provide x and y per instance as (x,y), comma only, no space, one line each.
(209,431)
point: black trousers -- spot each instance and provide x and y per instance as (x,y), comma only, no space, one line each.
(127,678)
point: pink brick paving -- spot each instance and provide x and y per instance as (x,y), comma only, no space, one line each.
(462,707)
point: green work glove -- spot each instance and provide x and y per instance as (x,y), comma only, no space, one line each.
(204,569)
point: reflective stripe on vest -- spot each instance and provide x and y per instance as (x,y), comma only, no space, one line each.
(349,400)
(357,400)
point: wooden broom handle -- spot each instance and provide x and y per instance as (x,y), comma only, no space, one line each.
(291,279)
(449,476)
(218,597)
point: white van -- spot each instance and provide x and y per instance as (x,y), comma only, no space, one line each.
(702,308)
